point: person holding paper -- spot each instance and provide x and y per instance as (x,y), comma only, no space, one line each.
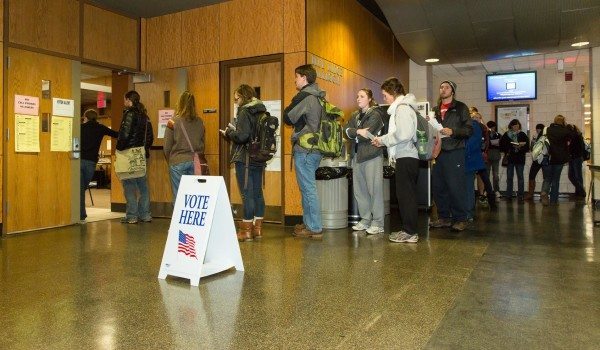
(136,131)
(92,134)
(185,130)
(448,174)
(401,148)
(535,166)
(367,163)
(515,144)
(249,175)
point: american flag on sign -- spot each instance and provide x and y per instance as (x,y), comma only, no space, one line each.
(187,245)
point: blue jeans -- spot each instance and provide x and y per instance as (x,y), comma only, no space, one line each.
(177,171)
(510,173)
(252,193)
(137,208)
(306,164)
(551,180)
(576,175)
(86,172)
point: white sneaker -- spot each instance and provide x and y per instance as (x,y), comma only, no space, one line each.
(360,226)
(403,237)
(373,230)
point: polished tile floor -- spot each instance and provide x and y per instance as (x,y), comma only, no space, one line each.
(523,277)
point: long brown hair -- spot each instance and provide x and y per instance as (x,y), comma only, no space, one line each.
(186,108)
(134,97)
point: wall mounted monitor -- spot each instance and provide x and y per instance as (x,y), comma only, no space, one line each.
(511,86)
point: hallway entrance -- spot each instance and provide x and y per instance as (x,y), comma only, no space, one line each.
(264,74)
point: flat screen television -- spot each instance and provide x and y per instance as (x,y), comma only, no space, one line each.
(511,86)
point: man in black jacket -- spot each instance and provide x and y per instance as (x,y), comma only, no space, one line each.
(92,134)
(448,175)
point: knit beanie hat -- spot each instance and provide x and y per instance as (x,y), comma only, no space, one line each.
(452,85)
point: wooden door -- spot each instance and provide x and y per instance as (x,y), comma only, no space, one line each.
(266,78)
(38,192)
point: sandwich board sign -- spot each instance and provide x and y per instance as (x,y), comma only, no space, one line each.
(202,239)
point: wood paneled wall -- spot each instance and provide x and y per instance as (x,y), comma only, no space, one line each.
(54,26)
(229,30)
(340,31)
(109,37)
(345,33)
(43,176)
(51,25)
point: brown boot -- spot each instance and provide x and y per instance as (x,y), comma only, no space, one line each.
(545,199)
(245,231)
(529,195)
(257,230)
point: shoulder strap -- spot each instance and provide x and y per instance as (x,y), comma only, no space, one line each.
(186,136)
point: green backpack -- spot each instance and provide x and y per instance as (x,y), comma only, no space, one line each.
(328,139)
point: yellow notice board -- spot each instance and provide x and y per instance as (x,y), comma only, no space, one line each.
(27,133)
(61,134)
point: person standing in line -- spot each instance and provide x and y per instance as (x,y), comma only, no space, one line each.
(535,166)
(176,147)
(249,174)
(483,180)
(448,173)
(559,137)
(515,144)
(367,163)
(304,114)
(475,166)
(136,131)
(576,149)
(494,155)
(400,143)
(92,134)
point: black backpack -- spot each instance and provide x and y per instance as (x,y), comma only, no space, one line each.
(263,143)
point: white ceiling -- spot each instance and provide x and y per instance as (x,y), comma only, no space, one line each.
(576,58)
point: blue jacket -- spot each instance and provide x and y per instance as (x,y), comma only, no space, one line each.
(473,157)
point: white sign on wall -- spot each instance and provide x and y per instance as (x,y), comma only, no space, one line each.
(202,239)
(63,107)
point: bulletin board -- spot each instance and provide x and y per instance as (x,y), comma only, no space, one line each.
(504,114)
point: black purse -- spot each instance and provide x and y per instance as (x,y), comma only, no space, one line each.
(504,160)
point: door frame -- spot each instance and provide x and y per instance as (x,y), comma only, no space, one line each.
(225,92)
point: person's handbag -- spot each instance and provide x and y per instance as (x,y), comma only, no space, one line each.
(131,163)
(198,159)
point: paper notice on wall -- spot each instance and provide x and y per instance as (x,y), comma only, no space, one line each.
(61,134)
(274,108)
(63,107)
(164,115)
(29,105)
(27,133)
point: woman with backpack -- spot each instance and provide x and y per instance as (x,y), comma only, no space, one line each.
(515,144)
(559,137)
(535,165)
(367,163)
(249,174)
(401,147)
(183,134)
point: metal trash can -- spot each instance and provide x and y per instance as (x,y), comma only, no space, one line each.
(332,187)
